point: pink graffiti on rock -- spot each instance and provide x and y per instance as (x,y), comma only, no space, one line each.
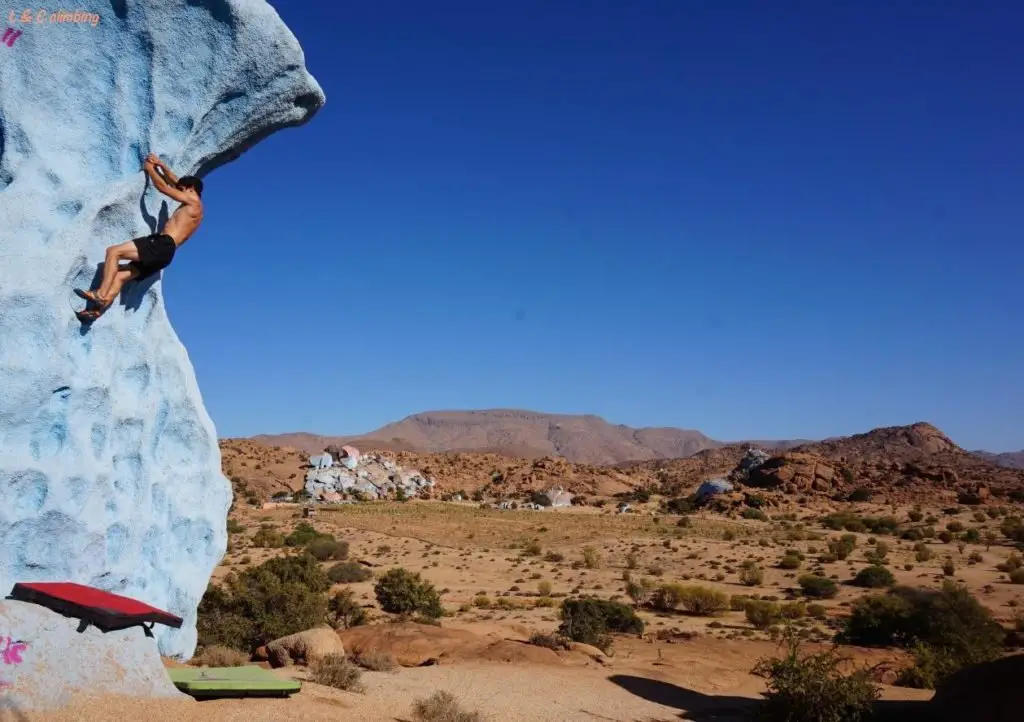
(11,651)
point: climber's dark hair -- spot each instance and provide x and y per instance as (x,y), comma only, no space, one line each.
(190,181)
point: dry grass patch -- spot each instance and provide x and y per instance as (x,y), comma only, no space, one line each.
(335,670)
(220,656)
(442,707)
(376,661)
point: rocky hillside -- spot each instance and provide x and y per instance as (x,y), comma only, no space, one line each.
(525,434)
(896,463)
(902,463)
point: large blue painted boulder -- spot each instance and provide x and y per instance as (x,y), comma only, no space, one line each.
(109,466)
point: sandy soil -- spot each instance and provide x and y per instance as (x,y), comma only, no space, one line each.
(689,667)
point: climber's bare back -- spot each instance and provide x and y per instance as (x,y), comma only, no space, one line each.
(186,219)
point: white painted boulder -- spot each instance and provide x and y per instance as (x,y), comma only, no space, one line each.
(45,662)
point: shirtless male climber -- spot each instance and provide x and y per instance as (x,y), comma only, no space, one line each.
(150,254)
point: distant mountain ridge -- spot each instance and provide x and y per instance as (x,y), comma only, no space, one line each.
(520,433)
(1009,459)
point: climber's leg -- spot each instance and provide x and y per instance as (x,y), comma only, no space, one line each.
(127,251)
(124,274)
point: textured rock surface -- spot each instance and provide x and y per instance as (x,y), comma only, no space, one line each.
(45,661)
(304,647)
(109,466)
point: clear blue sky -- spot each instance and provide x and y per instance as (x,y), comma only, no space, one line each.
(758,219)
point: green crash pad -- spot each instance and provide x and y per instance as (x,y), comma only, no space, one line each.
(232,682)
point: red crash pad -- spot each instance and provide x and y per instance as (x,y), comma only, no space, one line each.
(102,609)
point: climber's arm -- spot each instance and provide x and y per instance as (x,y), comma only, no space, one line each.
(161,184)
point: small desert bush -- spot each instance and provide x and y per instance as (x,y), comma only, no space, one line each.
(268,538)
(1012,562)
(812,689)
(1017,576)
(324,550)
(303,534)
(376,661)
(345,611)
(591,559)
(544,588)
(532,549)
(335,670)
(591,620)
(762,614)
(703,601)
(751,575)
(550,641)
(666,597)
(442,707)
(817,587)
(946,629)
(874,577)
(794,610)
(554,557)
(234,527)
(789,561)
(400,591)
(348,573)
(218,656)
(843,546)
(816,611)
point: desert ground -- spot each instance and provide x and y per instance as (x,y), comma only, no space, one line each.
(491,565)
(502,575)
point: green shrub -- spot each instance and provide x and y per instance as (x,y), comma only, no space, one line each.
(640,591)
(789,562)
(667,597)
(946,628)
(345,611)
(843,546)
(812,689)
(817,611)
(234,527)
(324,549)
(1012,562)
(304,533)
(399,591)
(277,598)
(762,614)
(794,610)
(817,587)
(738,602)
(268,538)
(591,559)
(703,601)
(923,553)
(590,621)
(915,516)
(756,514)
(1013,529)
(874,577)
(348,573)
(1017,576)
(878,553)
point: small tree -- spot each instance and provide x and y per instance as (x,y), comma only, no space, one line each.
(817,587)
(812,689)
(589,621)
(874,577)
(399,591)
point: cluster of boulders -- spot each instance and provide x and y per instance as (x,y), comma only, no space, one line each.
(361,476)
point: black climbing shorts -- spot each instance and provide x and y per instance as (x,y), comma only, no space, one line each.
(155,253)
